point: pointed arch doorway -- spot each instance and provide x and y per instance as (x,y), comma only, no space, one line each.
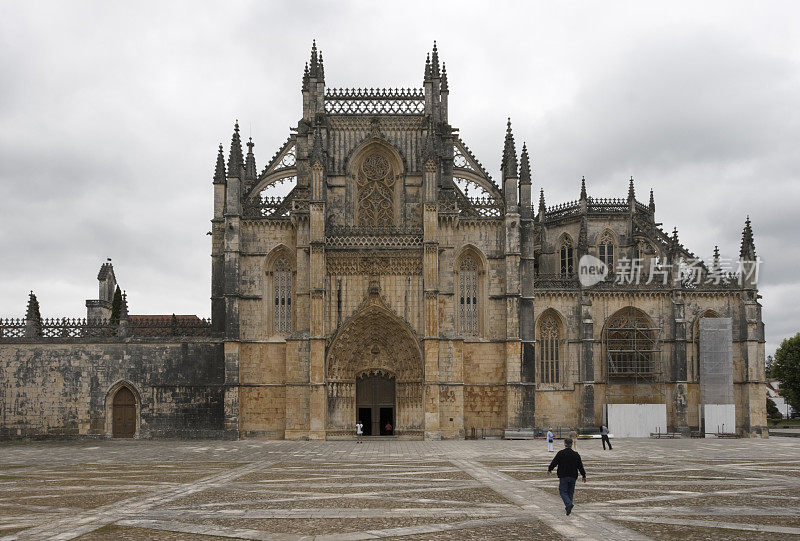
(374,375)
(124,414)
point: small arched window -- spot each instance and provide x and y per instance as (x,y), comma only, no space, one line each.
(567,255)
(282,297)
(468,296)
(605,250)
(549,349)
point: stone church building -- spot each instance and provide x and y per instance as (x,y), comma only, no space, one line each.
(374,271)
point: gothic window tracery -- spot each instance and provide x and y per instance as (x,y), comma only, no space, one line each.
(375,180)
(468,296)
(549,346)
(605,250)
(567,255)
(282,297)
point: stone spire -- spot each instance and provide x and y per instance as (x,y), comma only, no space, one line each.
(427,67)
(652,205)
(435,62)
(525,166)
(583,189)
(715,265)
(631,191)
(314,69)
(747,249)
(235,158)
(444,87)
(673,246)
(509,163)
(541,202)
(123,308)
(306,77)
(321,70)
(219,170)
(33,319)
(250,172)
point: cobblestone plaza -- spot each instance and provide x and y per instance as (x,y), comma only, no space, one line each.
(657,489)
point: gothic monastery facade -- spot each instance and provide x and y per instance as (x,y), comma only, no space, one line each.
(374,271)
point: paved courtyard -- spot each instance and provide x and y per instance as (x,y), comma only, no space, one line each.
(656,489)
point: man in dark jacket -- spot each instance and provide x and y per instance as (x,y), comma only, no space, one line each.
(569,464)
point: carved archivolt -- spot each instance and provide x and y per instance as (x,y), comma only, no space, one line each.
(374,340)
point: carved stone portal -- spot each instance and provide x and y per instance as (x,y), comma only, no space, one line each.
(375,342)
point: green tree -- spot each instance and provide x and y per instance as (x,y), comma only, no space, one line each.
(768,365)
(786,369)
(772,409)
(116,306)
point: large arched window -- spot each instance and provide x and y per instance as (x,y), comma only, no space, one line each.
(468,315)
(567,258)
(376,186)
(282,297)
(549,349)
(631,345)
(605,250)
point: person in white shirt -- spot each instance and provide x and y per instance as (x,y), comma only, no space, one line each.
(604,437)
(549,441)
(359,431)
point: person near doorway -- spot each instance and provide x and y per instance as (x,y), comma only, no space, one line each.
(573,434)
(388,429)
(549,440)
(569,464)
(359,432)
(604,437)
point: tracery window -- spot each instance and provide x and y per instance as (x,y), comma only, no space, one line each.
(468,296)
(631,344)
(549,342)
(567,261)
(282,289)
(605,251)
(375,181)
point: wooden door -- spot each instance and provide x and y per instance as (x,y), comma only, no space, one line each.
(124,415)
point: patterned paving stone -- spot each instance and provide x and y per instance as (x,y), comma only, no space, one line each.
(675,489)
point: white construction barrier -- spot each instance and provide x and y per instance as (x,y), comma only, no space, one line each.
(717,419)
(636,420)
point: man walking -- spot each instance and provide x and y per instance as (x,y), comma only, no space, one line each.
(549,440)
(604,437)
(569,464)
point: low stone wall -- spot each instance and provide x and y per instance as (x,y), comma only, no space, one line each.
(52,389)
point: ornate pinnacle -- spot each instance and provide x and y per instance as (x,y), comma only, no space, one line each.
(748,248)
(631,191)
(525,166)
(306,78)
(250,172)
(235,158)
(32,312)
(583,188)
(509,164)
(123,308)
(444,78)
(219,171)
(435,62)
(715,265)
(314,59)
(541,201)
(317,153)
(427,67)
(321,73)
(675,236)
(652,201)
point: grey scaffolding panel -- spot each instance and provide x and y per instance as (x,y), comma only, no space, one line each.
(634,364)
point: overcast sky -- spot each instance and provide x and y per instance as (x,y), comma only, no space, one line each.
(111,113)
